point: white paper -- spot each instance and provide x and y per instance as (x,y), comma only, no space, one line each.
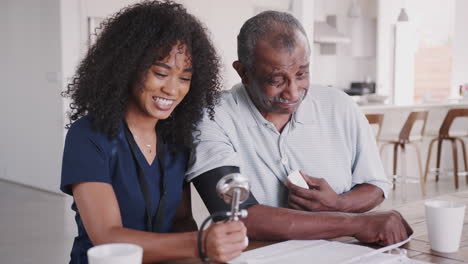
(319,252)
(296,178)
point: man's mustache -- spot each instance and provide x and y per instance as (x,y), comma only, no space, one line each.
(279,99)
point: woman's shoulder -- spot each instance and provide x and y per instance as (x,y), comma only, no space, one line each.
(83,131)
(83,124)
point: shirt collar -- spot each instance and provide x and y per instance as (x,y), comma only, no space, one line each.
(307,111)
(247,108)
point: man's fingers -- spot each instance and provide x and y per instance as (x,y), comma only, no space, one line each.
(302,192)
(304,203)
(403,234)
(312,181)
(296,206)
(408,229)
(292,205)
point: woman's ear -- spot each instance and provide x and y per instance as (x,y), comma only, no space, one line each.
(242,71)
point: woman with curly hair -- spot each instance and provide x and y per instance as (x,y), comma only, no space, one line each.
(136,99)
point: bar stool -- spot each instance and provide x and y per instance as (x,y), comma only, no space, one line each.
(376,119)
(453,138)
(405,137)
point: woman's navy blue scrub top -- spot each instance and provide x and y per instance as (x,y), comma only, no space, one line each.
(90,156)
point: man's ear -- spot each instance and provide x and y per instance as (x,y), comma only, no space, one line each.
(242,71)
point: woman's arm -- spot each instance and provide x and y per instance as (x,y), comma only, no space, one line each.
(183,220)
(100,213)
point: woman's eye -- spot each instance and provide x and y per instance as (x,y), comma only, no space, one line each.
(186,79)
(159,74)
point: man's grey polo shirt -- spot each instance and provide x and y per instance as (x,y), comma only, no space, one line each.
(327,137)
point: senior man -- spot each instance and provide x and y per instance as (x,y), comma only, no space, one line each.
(273,124)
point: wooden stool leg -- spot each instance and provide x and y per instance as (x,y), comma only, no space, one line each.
(428,161)
(421,175)
(465,159)
(439,152)
(404,172)
(395,163)
(455,161)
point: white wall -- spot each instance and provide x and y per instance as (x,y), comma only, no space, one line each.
(460,46)
(222,18)
(31,109)
(404,63)
(433,24)
(342,68)
(71,44)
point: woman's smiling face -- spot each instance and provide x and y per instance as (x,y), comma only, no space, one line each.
(165,84)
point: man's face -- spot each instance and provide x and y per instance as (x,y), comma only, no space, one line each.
(280,80)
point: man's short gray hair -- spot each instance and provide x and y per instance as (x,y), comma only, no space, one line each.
(261,26)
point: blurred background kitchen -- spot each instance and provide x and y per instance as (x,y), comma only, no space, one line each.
(394,57)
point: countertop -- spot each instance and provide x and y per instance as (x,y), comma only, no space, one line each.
(462,103)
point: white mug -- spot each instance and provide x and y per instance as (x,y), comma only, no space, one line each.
(444,224)
(117,253)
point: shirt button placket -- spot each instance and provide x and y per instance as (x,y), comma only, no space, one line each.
(284,159)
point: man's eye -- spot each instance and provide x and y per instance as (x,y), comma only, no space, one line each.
(159,74)
(302,74)
(275,81)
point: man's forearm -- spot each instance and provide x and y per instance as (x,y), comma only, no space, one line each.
(361,198)
(271,223)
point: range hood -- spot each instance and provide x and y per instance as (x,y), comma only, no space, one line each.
(325,32)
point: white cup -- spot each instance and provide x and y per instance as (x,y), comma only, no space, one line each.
(444,224)
(118,253)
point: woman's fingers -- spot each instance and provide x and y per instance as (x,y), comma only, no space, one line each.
(226,241)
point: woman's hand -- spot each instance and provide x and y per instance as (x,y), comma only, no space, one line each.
(225,241)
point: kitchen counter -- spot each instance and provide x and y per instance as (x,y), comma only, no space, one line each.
(395,115)
(371,107)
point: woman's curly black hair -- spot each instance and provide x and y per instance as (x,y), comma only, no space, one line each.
(131,41)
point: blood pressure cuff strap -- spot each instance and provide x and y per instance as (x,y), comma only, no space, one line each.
(206,187)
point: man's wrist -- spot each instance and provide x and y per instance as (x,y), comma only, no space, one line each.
(356,223)
(341,204)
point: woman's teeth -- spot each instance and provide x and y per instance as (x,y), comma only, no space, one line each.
(162,101)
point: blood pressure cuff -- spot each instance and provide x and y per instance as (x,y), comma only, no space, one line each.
(206,187)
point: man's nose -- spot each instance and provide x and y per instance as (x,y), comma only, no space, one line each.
(292,91)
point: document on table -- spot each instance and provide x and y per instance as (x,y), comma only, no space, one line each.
(320,252)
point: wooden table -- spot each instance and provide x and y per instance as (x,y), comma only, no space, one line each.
(418,248)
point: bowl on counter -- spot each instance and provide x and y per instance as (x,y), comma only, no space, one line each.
(376,98)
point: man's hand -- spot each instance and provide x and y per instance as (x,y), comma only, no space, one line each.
(383,228)
(320,196)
